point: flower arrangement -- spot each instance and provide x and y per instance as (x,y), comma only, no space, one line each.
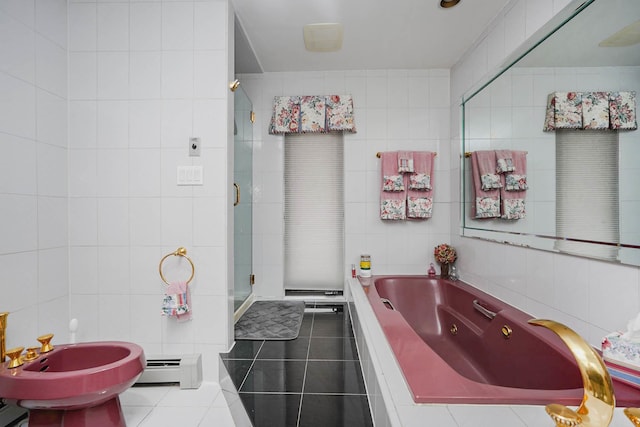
(445,254)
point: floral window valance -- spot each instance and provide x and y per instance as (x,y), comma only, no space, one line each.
(316,113)
(591,110)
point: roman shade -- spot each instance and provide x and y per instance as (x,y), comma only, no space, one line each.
(312,113)
(591,110)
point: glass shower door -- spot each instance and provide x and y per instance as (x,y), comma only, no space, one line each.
(243,184)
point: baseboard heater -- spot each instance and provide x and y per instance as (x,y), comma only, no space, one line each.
(185,370)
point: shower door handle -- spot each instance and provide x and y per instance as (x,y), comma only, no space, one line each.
(237,187)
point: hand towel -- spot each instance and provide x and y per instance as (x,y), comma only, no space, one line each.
(514,189)
(486,167)
(485,203)
(393,195)
(504,161)
(420,187)
(177,301)
(405,162)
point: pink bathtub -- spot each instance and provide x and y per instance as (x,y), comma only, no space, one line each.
(456,344)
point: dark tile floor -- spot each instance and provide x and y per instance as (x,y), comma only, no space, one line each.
(314,380)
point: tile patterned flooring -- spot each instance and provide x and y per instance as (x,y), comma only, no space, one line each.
(314,380)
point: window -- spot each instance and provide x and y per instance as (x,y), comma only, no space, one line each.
(587,191)
(313,212)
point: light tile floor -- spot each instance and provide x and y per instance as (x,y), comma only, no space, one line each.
(170,406)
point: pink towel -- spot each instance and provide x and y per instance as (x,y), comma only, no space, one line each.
(405,162)
(177,301)
(393,194)
(420,186)
(486,162)
(514,188)
(485,203)
(504,161)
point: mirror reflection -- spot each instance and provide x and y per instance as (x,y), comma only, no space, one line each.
(582,194)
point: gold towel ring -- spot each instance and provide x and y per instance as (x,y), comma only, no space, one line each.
(178,252)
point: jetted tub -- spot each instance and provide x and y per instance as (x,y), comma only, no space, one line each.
(451,349)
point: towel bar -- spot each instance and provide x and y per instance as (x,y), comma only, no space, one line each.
(181,251)
(378,154)
(468,153)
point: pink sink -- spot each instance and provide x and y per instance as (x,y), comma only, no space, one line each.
(75,385)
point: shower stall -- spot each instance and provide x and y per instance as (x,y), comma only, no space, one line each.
(243,185)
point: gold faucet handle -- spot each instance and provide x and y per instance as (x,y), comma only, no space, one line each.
(32,354)
(634,415)
(45,341)
(14,357)
(563,416)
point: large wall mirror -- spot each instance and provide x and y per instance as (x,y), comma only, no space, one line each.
(591,47)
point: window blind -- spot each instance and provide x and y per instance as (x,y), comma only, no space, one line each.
(587,191)
(313,212)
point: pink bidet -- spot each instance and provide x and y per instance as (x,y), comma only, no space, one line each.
(75,385)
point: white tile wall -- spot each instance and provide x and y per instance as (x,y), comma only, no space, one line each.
(143,78)
(33,168)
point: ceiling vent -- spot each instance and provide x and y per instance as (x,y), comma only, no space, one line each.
(627,36)
(323,37)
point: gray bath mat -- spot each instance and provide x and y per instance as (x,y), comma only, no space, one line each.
(271,320)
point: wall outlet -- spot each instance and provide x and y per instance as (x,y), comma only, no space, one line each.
(194,147)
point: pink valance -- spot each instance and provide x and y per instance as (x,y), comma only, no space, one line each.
(316,113)
(591,110)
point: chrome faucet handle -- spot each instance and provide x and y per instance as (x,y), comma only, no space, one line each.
(634,415)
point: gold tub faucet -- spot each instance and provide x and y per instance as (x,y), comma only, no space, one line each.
(598,403)
(3,335)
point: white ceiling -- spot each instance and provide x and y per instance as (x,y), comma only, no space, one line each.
(398,34)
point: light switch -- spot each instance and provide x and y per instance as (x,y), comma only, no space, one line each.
(190,175)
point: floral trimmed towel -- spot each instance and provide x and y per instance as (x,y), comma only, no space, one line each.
(514,191)
(420,181)
(513,209)
(177,301)
(405,162)
(419,207)
(486,203)
(420,192)
(393,196)
(392,183)
(504,161)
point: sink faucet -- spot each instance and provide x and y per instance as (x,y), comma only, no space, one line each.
(3,329)
(598,403)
